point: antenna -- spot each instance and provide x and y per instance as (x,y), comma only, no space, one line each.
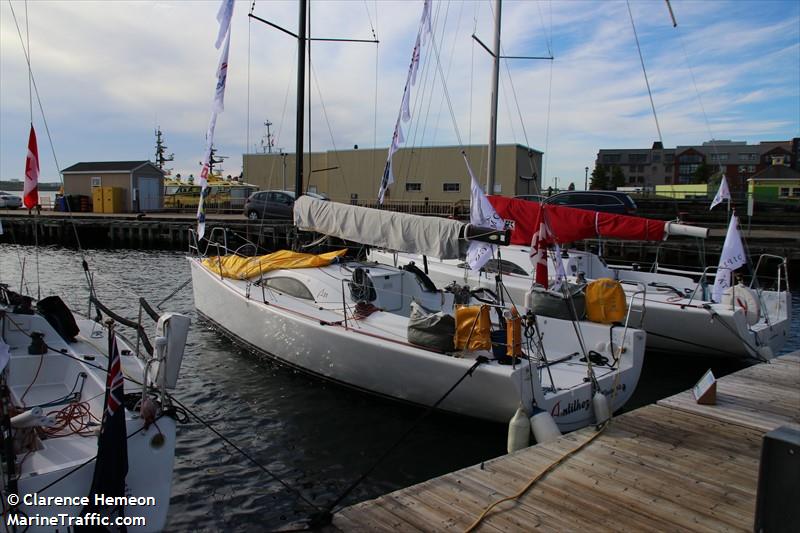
(161,150)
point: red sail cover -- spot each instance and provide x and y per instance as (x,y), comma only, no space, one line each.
(568,224)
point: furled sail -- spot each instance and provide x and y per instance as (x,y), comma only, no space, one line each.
(569,224)
(432,236)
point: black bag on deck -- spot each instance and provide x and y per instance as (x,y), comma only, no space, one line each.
(59,316)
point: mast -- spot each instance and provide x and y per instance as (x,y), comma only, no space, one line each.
(301,76)
(493,111)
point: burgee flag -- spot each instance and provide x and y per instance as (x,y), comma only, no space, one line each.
(31,187)
(732,257)
(723,193)
(481,214)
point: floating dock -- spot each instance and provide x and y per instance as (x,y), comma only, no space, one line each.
(673,465)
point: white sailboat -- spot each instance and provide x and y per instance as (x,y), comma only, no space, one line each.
(55,370)
(676,311)
(348,322)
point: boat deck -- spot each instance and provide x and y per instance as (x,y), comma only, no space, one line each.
(673,465)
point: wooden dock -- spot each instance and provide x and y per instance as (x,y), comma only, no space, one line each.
(675,465)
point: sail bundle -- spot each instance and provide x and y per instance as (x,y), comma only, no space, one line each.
(224,16)
(404,115)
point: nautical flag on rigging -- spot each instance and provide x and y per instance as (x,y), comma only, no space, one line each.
(732,257)
(111,464)
(31,187)
(481,214)
(723,193)
(224,16)
(405,104)
(539,243)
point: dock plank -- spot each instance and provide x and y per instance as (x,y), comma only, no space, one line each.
(674,466)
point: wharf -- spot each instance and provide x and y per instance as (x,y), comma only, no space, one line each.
(676,465)
(171,231)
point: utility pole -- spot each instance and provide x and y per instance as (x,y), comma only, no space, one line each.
(586,179)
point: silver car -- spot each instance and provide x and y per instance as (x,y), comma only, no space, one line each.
(9,201)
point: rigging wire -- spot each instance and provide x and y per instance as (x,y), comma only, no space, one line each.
(644,70)
(449,66)
(330,131)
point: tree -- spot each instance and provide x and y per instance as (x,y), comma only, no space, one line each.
(571,186)
(599,178)
(703,173)
(617,177)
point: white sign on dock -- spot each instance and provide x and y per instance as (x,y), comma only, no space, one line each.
(705,391)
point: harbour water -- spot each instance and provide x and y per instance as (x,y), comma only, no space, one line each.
(316,437)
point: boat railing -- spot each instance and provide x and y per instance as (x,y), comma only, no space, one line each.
(782,273)
(641,290)
(700,283)
(194,242)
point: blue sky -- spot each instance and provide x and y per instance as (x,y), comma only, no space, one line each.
(109,72)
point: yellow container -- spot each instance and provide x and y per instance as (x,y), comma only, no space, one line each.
(97,199)
(112,200)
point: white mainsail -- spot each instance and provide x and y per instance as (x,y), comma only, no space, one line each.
(433,236)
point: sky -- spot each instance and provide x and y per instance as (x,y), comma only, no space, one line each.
(109,73)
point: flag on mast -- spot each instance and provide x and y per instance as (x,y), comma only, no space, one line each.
(732,257)
(723,193)
(31,188)
(224,16)
(481,214)
(405,104)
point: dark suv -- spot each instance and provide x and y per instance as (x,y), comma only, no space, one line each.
(608,201)
(273,204)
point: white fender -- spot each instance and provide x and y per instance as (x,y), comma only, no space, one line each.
(743,297)
(519,431)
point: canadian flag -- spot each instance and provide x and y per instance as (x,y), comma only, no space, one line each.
(539,243)
(31,188)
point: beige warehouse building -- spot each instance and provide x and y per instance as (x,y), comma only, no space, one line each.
(430,174)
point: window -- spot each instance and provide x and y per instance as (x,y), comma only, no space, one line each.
(96,181)
(748,157)
(656,158)
(795,191)
(289,286)
(451,187)
(171,189)
(637,158)
(719,157)
(493,265)
(742,169)
(784,192)
(611,158)
(413,187)
(751,168)
(669,158)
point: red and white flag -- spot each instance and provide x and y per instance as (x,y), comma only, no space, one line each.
(31,188)
(539,244)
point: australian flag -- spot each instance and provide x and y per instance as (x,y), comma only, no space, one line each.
(111,465)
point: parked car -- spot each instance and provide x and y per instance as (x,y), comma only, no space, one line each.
(10,201)
(531,197)
(273,204)
(608,201)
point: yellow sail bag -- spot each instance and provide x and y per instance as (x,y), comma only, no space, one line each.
(605,301)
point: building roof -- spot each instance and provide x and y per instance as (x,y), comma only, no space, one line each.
(776,172)
(107,166)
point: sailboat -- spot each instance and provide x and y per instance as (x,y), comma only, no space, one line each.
(676,310)
(349,322)
(55,372)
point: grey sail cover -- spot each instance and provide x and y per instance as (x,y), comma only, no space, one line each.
(401,232)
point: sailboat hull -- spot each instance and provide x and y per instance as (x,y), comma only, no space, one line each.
(359,356)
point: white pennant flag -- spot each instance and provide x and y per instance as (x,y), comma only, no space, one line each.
(405,105)
(732,257)
(723,193)
(224,16)
(483,215)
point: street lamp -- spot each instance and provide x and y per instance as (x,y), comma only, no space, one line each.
(586,179)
